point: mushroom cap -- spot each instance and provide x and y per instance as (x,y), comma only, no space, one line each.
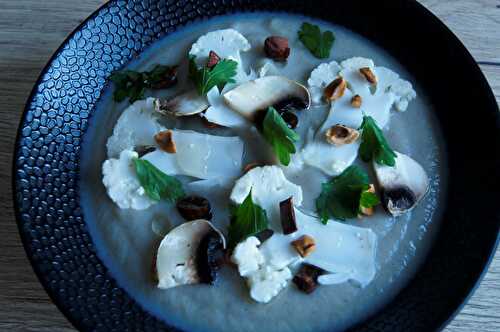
(185,104)
(263,92)
(403,185)
(176,258)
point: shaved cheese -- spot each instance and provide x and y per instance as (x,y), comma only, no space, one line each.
(200,155)
(135,127)
(341,249)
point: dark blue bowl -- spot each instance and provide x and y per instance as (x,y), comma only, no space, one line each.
(46,162)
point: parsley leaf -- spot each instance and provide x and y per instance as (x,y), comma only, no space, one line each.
(343,196)
(247,219)
(157,184)
(133,84)
(318,43)
(374,145)
(277,133)
(205,78)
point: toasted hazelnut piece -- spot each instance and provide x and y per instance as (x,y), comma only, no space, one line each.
(276,48)
(165,141)
(213,59)
(335,89)
(341,135)
(304,245)
(356,101)
(368,211)
(306,278)
(368,74)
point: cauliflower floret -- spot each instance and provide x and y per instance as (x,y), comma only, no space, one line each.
(267,282)
(227,43)
(264,280)
(135,127)
(248,256)
(320,77)
(122,184)
(269,187)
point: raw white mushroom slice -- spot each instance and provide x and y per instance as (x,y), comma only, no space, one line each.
(263,92)
(121,182)
(227,43)
(403,185)
(176,257)
(136,126)
(219,112)
(341,249)
(200,155)
(269,187)
(188,103)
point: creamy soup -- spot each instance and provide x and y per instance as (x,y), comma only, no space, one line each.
(127,239)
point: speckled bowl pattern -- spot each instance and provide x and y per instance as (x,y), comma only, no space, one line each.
(46,162)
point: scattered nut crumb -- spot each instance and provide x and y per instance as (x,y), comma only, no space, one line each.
(356,101)
(341,135)
(335,89)
(304,245)
(371,210)
(165,141)
(368,74)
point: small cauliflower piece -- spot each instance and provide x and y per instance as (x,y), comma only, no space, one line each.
(248,256)
(267,282)
(269,187)
(136,126)
(122,184)
(227,43)
(264,280)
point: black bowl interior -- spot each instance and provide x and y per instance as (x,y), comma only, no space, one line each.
(46,162)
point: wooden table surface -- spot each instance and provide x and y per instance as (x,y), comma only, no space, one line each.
(30,31)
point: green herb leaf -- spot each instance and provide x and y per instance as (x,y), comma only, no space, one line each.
(315,41)
(133,84)
(247,219)
(279,136)
(205,78)
(157,184)
(343,196)
(374,145)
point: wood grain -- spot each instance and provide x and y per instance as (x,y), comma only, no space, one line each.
(30,30)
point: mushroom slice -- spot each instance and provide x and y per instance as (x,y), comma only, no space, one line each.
(263,92)
(177,253)
(403,185)
(187,103)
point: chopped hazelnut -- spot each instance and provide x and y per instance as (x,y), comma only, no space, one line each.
(213,59)
(335,89)
(165,141)
(306,278)
(368,211)
(341,135)
(368,74)
(276,48)
(304,245)
(356,101)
